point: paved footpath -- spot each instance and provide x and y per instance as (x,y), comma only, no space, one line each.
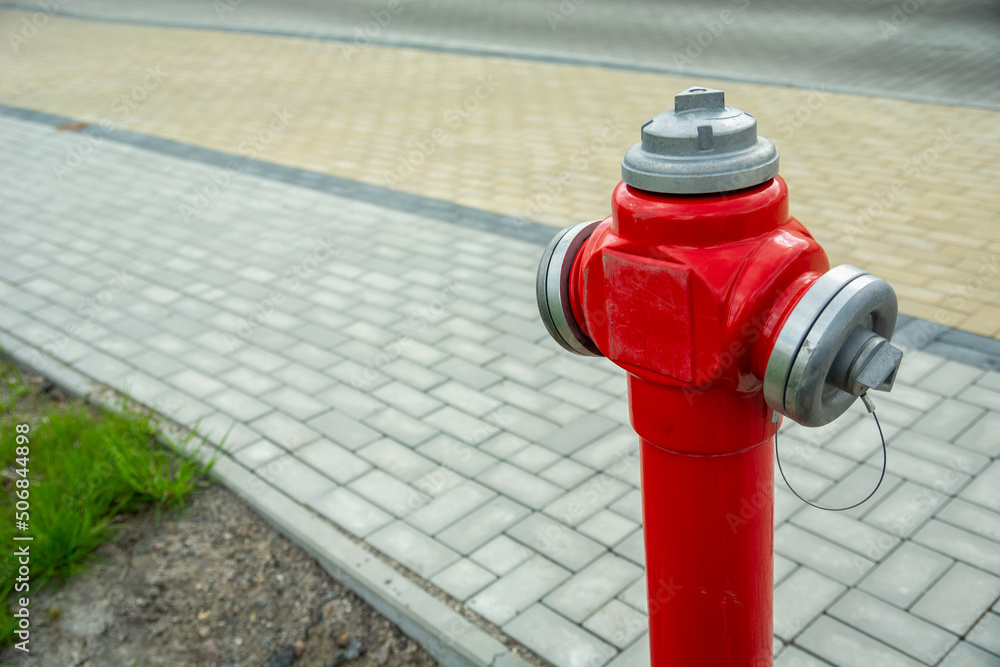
(397,407)
(905,190)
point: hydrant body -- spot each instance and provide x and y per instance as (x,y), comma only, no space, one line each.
(723,311)
(680,291)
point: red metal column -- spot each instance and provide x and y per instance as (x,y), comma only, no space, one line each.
(708,514)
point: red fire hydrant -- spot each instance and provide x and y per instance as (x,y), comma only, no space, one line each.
(723,310)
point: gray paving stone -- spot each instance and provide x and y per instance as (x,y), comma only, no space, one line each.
(607,527)
(467,373)
(482,525)
(356,375)
(465,398)
(947,420)
(960,544)
(825,557)
(501,555)
(534,458)
(460,425)
(905,509)
(520,349)
(571,392)
(986,633)
(295,478)
(333,461)
(949,378)
(575,435)
(456,455)
(522,486)
(410,373)
(900,630)
(503,445)
(262,360)
(842,645)
(792,656)
(905,574)
(563,413)
(636,595)
(284,430)
(518,395)
(856,486)
(401,427)
(469,330)
(412,402)
(566,473)
(412,549)
(350,402)
(101,367)
(468,350)
(967,655)
(437,481)
(982,437)
(617,623)
(593,587)
(782,568)
(258,454)
(350,512)
(514,592)
(617,445)
(586,372)
(973,518)
(847,532)
(248,380)
(343,430)
(557,541)
(449,507)
(215,427)
(559,641)
(294,403)
(463,579)
(959,598)
(182,409)
(521,372)
(985,489)
(629,506)
(586,500)
(303,379)
(954,457)
(632,548)
(402,462)
(311,358)
(388,493)
(521,423)
(238,405)
(636,655)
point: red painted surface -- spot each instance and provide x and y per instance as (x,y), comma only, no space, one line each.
(687,293)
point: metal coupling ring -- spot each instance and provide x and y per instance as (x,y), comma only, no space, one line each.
(552,289)
(801,380)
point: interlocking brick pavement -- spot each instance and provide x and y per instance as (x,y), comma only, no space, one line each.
(903,189)
(524,509)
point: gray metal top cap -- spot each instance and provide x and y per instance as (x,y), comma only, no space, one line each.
(700,146)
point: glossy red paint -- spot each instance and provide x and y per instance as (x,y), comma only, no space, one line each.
(686,293)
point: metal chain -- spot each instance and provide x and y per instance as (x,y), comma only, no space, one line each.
(871,409)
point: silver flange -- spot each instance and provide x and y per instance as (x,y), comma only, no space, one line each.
(552,289)
(700,146)
(833,347)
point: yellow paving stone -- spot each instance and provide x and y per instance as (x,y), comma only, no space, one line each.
(903,189)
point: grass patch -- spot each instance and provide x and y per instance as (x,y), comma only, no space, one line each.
(85,467)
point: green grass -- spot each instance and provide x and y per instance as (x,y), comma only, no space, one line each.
(85,468)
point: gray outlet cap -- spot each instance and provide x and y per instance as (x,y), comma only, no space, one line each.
(700,146)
